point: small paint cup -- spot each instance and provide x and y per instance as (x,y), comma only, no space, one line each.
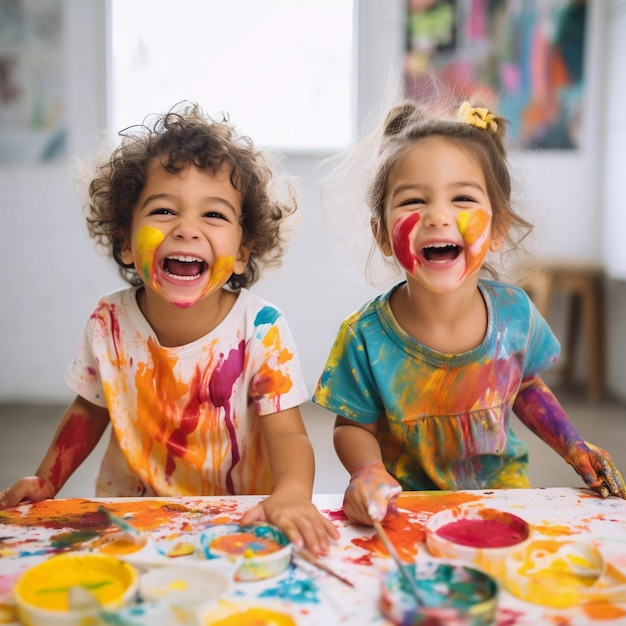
(184,585)
(263,549)
(561,573)
(68,589)
(448,594)
(480,537)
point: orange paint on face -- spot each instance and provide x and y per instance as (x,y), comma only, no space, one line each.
(474,228)
(220,273)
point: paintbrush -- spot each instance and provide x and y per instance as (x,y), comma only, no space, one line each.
(120,522)
(410,580)
(305,555)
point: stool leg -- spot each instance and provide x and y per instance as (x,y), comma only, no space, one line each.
(592,304)
(572,329)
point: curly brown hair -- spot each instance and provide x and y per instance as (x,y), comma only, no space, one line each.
(180,138)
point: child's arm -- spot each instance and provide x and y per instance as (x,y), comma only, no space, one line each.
(372,490)
(293,466)
(537,408)
(78,433)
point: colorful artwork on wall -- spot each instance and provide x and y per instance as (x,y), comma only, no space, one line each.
(525,58)
(32,100)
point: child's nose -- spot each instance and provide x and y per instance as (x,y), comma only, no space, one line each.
(437,216)
(186,229)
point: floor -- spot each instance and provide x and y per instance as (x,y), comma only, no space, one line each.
(28,429)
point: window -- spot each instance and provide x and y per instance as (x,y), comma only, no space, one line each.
(280,69)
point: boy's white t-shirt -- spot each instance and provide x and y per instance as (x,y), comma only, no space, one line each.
(186,420)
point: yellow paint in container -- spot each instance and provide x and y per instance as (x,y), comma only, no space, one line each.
(43,593)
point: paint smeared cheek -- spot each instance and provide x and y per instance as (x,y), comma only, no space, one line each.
(401,236)
(220,272)
(474,227)
(147,243)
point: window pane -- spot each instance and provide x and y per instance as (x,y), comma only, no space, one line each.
(281,69)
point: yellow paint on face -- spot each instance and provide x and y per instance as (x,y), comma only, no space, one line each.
(220,273)
(148,241)
(474,228)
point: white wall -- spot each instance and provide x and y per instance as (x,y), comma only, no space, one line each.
(52,277)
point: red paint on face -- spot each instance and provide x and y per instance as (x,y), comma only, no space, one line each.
(401,238)
(73,444)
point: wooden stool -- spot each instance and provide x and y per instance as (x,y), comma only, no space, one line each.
(583,286)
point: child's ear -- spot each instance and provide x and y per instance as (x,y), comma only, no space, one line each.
(126,251)
(382,238)
(242,257)
(498,237)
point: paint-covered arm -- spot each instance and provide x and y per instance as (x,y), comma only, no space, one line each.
(78,433)
(537,407)
(293,467)
(371,494)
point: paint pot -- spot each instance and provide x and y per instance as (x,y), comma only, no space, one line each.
(185,586)
(562,573)
(448,593)
(481,537)
(263,550)
(70,588)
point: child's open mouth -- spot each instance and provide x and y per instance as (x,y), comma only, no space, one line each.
(440,253)
(184,267)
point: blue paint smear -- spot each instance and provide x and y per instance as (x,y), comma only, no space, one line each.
(294,590)
(267,315)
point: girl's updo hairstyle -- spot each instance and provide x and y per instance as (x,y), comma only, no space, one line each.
(179,139)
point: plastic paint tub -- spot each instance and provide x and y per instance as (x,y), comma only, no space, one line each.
(263,549)
(43,592)
(481,537)
(563,573)
(184,585)
(448,593)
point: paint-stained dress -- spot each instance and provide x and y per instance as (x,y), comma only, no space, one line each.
(186,419)
(445,418)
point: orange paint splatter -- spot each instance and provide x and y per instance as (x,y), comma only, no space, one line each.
(604,611)
(435,501)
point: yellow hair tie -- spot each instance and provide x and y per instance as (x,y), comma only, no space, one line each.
(476,116)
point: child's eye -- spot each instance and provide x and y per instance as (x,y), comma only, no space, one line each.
(215,215)
(161,211)
(464,199)
(410,201)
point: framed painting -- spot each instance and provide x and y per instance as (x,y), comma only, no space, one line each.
(523,57)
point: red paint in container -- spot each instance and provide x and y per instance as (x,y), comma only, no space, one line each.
(483,537)
(485,533)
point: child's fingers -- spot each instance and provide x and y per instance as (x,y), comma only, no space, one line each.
(255,514)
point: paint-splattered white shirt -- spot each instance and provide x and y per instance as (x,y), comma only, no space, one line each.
(186,420)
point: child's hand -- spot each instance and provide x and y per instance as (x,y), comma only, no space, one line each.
(371,494)
(29,488)
(298,518)
(596,468)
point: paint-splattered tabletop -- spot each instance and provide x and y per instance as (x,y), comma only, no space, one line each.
(32,532)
